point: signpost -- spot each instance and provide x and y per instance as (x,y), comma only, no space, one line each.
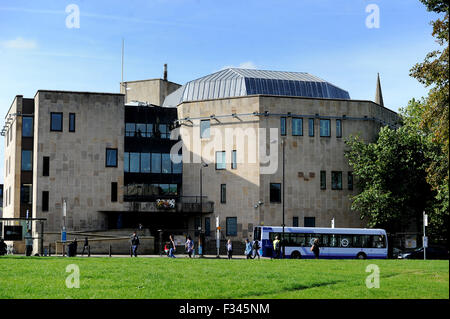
(217,236)
(332,223)
(425,238)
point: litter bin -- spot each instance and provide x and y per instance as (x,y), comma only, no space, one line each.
(71,250)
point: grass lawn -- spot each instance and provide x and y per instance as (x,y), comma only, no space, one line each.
(117,278)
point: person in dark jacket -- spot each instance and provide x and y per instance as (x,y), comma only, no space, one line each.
(172,247)
(3,247)
(315,248)
(85,246)
(134,244)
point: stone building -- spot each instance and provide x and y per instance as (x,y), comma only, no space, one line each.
(107,155)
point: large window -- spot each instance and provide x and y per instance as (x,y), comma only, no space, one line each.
(45,201)
(164,131)
(223,193)
(134,162)
(27,160)
(350,181)
(311,127)
(26,193)
(113,192)
(56,121)
(323,180)
(130,129)
(126,162)
(231,226)
(156,163)
(220,160)
(71,122)
(233,160)
(338,128)
(27,126)
(309,221)
(205,128)
(141,130)
(283,126)
(275,192)
(297,126)
(336,180)
(295,221)
(150,163)
(145,163)
(111,157)
(325,130)
(166,164)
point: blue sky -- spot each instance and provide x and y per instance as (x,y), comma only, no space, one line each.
(327,38)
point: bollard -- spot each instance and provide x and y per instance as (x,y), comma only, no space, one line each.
(109,250)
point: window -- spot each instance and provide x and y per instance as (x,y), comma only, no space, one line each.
(223,193)
(336,180)
(141,130)
(126,162)
(338,128)
(27,126)
(71,122)
(149,130)
(220,160)
(156,163)
(130,128)
(283,126)
(297,126)
(205,128)
(295,221)
(275,192)
(164,130)
(350,180)
(26,193)
(166,164)
(27,160)
(233,160)
(56,123)
(197,225)
(46,166)
(231,226)
(134,162)
(45,201)
(111,157)
(207,226)
(145,163)
(323,180)
(113,192)
(311,127)
(177,168)
(173,189)
(310,221)
(325,128)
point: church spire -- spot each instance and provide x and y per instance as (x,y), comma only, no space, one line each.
(378,94)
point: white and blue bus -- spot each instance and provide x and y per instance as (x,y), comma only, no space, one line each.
(334,243)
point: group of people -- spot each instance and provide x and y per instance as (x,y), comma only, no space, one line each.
(315,248)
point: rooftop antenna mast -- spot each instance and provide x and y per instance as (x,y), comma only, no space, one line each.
(122,83)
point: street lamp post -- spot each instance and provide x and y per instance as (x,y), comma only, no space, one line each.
(283,142)
(201,203)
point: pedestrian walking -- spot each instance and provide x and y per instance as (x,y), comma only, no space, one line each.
(256,248)
(315,248)
(229,249)
(189,246)
(28,243)
(134,244)
(276,248)
(172,247)
(248,249)
(85,246)
(3,247)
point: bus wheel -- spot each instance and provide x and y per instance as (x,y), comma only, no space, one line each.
(361,256)
(296,255)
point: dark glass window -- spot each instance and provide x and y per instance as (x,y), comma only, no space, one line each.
(46,166)
(141,130)
(197,225)
(164,130)
(297,126)
(130,128)
(310,221)
(323,180)
(223,193)
(311,127)
(111,157)
(56,123)
(126,162)
(283,126)
(134,162)
(205,128)
(26,193)
(145,162)
(71,122)
(45,201)
(336,180)
(27,160)
(177,168)
(295,221)
(113,192)
(173,189)
(338,128)
(233,160)
(27,126)
(220,160)
(149,130)
(325,128)
(166,164)
(207,226)
(350,181)
(231,226)
(156,163)
(275,192)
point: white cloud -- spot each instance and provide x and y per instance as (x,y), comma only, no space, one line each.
(19,43)
(243,65)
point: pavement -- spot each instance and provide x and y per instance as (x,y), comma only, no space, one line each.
(181,256)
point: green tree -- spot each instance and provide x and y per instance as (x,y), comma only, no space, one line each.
(391,175)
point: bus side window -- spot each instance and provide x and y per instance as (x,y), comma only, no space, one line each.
(334,241)
(357,241)
(365,241)
(324,241)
